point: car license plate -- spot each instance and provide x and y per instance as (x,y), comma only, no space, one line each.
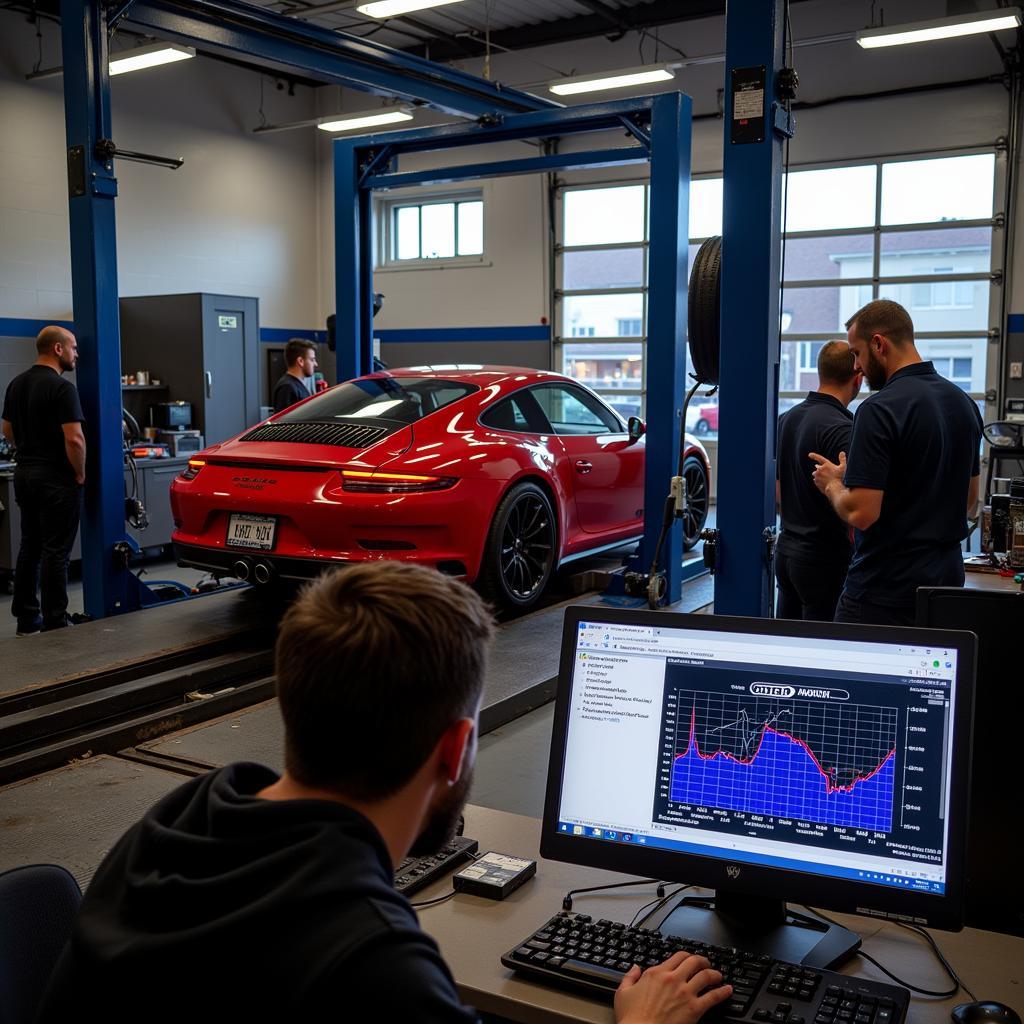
(255,532)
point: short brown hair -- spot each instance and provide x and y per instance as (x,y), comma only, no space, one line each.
(835,363)
(885,317)
(49,338)
(294,349)
(373,663)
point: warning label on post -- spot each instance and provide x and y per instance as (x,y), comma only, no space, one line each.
(747,104)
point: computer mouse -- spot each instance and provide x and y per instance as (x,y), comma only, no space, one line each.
(985,1012)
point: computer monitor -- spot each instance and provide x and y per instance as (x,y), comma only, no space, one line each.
(995,883)
(771,761)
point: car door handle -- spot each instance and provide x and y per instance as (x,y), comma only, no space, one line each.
(209,384)
(582,466)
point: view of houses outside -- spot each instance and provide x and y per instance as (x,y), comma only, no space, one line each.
(934,227)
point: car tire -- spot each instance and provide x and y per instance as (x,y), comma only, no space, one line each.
(695,473)
(703,428)
(520,550)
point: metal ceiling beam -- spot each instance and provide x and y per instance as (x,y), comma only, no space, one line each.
(282,42)
(587,26)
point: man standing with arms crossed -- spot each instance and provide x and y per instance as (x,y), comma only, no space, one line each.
(814,547)
(911,481)
(42,418)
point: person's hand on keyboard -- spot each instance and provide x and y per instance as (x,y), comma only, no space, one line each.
(679,991)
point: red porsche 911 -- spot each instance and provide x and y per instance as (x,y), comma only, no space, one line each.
(494,474)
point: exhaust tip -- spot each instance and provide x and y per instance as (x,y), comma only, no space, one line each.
(241,569)
(262,573)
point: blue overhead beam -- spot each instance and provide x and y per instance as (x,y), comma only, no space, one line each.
(256,34)
(506,168)
(749,378)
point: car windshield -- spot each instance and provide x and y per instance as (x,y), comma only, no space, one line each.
(385,401)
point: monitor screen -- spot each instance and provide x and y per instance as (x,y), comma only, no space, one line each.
(817,762)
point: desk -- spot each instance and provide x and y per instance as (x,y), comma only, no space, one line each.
(990,581)
(474,932)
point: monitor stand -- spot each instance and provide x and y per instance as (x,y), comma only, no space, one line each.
(756,924)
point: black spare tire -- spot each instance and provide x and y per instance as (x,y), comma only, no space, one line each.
(704,313)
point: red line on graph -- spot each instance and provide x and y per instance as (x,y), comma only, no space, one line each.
(829,786)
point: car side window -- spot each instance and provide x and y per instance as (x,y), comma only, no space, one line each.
(572,411)
(517,413)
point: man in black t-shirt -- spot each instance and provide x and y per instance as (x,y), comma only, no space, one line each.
(245,896)
(42,418)
(300,358)
(814,547)
(911,480)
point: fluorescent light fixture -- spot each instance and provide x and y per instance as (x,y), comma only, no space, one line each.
(611,80)
(940,28)
(148,57)
(396,8)
(348,124)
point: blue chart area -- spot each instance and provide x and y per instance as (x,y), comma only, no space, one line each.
(843,773)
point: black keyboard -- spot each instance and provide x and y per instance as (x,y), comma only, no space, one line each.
(415,873)
(573,949)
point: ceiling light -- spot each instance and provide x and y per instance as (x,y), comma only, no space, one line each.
(148,57)
(611,80)
(394,8)
(348,124)
(940,28)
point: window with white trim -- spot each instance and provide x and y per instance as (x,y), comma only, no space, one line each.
(426,231)
(918,231)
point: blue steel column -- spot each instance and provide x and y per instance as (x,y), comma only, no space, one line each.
(666,324)
(750,322)
(108,589)
(353,263)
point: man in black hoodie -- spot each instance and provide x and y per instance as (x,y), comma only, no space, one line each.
(247,896)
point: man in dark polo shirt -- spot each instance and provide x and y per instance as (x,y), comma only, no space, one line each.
(910,482)
(43,419)
(247,895)
(300,358)
(814,546)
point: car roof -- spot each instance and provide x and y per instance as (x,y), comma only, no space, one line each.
(472,373)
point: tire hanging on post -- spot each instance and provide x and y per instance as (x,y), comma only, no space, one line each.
(704,312)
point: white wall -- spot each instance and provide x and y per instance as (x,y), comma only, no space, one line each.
(239,217)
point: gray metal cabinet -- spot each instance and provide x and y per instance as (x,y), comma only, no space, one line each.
(205,348)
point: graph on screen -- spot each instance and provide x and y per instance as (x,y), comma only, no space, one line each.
(801,759)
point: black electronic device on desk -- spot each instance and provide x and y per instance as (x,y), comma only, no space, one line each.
(773,762)
(415,873)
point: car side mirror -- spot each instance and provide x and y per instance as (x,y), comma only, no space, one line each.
(636,429)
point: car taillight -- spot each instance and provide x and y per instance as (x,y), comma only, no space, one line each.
(191,471)
(393,483)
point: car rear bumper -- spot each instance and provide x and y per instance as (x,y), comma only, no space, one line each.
(227,562)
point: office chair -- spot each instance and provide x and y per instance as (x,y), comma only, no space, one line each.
(38,905)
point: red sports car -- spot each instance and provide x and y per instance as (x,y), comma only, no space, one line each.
(495,474)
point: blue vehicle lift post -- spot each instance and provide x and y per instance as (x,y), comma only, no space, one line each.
(755,127)
(660,129)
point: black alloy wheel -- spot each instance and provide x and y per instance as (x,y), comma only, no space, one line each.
(696,476)
(520,552)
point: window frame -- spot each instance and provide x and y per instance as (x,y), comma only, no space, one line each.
(386,235)
(872,282)
(584,397)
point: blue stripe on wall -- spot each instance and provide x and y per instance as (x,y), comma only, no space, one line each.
(14,327)
(438,335)
(1015,323)
(279,335)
